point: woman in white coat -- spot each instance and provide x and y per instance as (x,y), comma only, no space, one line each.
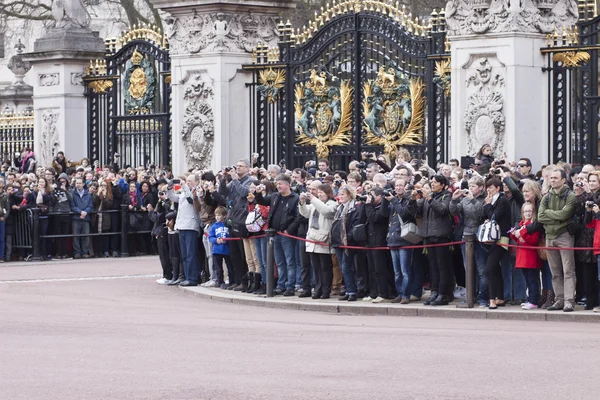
(319,207)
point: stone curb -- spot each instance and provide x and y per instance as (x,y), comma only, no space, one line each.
(411,310)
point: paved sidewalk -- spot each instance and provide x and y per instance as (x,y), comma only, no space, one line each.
(415,309)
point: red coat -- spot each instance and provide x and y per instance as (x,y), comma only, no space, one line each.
(527,258)
(595,225)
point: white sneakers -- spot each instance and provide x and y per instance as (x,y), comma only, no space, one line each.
(460,292)
(210,283)
(528,306)
(379,300)
(367,298)
(163,281)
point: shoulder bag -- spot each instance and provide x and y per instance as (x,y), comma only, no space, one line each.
(489,232)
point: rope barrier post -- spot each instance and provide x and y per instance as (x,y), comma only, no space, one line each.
(124,221)
(35,243)
(270,261)
(470,254)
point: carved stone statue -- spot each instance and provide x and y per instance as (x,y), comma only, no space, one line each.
(70,14)
(491,16)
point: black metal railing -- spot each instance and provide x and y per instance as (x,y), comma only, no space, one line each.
(28,234)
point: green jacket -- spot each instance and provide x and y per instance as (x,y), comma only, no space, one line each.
(4,206)
(556,211)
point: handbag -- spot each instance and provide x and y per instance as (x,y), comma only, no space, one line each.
(359,233)
(255,220)
(409,231)
(489,232)
(135,220)
(542,252)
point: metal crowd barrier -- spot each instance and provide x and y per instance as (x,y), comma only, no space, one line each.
(28,235)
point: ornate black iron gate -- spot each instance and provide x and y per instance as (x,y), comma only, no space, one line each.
(574,103)
(129,100)
(364,76)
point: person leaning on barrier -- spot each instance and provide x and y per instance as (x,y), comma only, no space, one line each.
(188,226)
(319,207)
(437,229)
(82,206)
(402,208)
(45,202)
(282,217)
(103,201)
(556,213)
(468,204)
(62,205)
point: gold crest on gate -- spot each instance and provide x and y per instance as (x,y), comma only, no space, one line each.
(323,111)
(393,110)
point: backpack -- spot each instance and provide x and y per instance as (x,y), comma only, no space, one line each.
(255,220)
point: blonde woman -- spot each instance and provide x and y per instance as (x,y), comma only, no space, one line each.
(319,207)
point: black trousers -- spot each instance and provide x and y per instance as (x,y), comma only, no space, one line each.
(362,273)
(493,272)
(379,262)
(175,256)
(238,259)
(305,266)
(440,268)
(323,269)
(591,283)
(115,226)
(218,260)
(61,225)
(163,255)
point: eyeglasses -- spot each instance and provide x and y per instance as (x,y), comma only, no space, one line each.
(522,165)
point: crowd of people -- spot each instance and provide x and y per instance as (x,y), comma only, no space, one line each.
(76,198)
(347,233)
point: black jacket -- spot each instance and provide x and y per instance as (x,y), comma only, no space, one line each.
(282,212)
(500,211)
(437,222)
(356,216)
(377,217)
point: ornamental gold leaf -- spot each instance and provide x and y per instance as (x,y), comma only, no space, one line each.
(571,59)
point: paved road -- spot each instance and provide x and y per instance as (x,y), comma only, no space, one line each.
(115,334)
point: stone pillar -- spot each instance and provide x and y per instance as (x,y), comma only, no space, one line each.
(60,108)
(499,91)
(209,42)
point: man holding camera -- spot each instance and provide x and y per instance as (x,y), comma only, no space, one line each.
(556,214)
(282,217)
(234,195)
(187,224)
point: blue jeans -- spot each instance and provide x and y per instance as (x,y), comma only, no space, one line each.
(261,254)
(546,276)
(419,261)
(285,249)
(514,282)
(2,233)
(403,271)
(188,244)
(480,254)
(299,244)
(532,277)
(81,244)
(346,260)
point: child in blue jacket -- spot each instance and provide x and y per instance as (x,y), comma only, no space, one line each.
(218,235)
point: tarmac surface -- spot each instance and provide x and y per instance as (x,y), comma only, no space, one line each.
(103,329)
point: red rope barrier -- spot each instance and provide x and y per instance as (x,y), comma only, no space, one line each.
(423,246)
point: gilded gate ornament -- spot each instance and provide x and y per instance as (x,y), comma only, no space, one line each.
(393,110)
(270,83)
(571,59)
(323,107)
(139,84)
